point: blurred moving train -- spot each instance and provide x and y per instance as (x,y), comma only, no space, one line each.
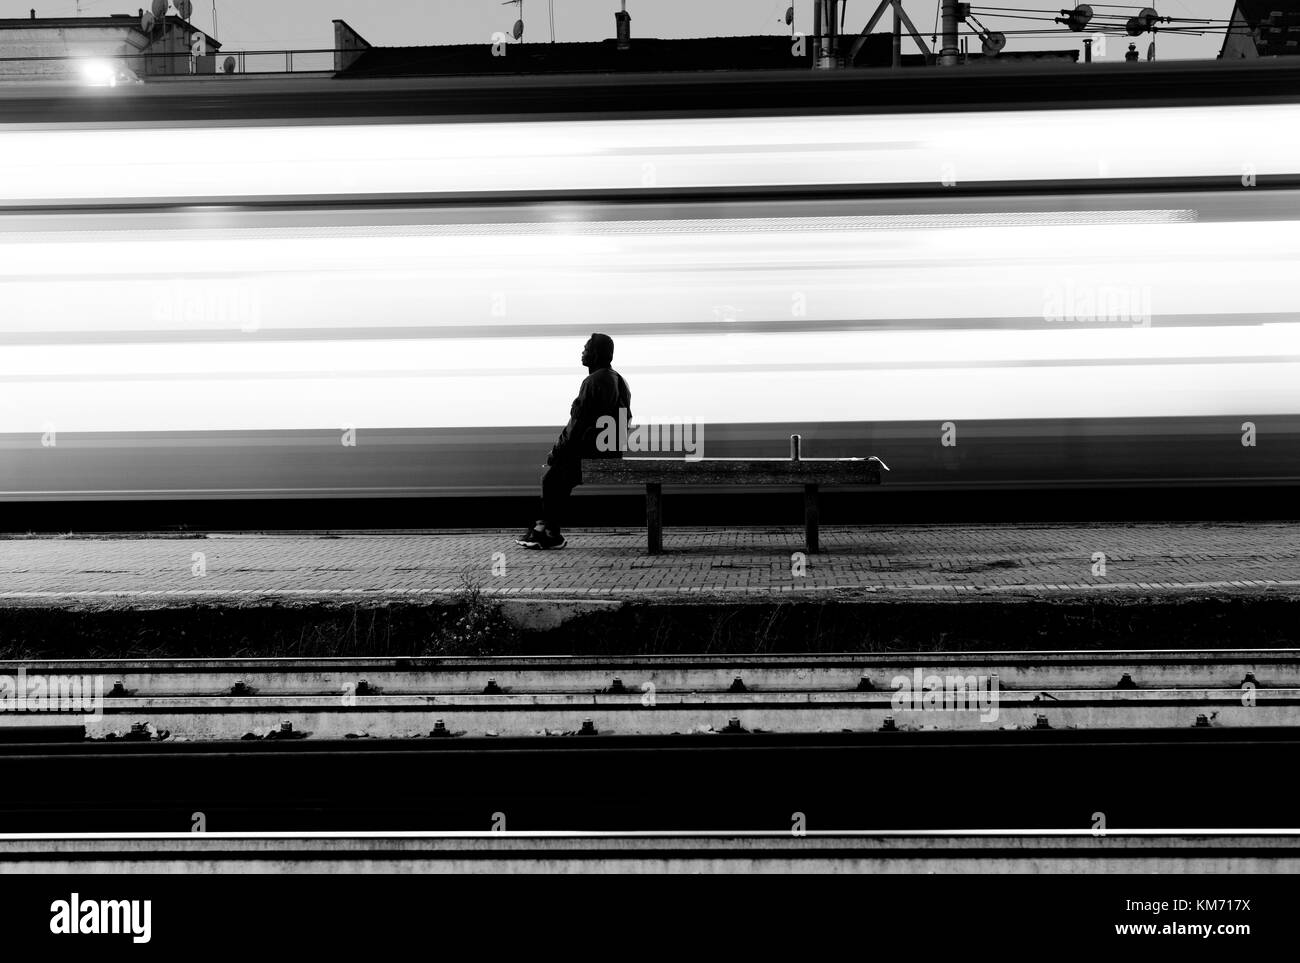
(998,279)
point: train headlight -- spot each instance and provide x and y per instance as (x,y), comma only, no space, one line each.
(98,73)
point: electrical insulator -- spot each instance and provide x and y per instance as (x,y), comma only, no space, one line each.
(992,41)
(1144,21)
(1076,19)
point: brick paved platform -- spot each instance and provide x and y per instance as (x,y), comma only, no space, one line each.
(878,562)
(1015,586)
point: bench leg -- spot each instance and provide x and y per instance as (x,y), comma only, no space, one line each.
(810,518)
(654,518)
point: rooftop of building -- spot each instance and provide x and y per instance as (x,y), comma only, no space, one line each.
(642,54)
(111,20)
(1275,25)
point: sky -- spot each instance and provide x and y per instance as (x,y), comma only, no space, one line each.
(306,24)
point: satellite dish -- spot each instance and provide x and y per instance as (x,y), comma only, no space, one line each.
(993,42)
(184,8)
(159,9)
(228,65)
(1134,27)
(789,16)
(147,21)
(519,29)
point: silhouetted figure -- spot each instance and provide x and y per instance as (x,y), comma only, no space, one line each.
(603,393)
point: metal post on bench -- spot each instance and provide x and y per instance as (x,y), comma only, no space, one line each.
(810,512)
(654,517)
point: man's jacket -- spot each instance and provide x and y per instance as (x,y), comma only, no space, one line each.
(603,392)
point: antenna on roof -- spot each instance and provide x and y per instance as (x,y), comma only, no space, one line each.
(184,8)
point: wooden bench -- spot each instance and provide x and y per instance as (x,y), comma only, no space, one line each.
(654,473)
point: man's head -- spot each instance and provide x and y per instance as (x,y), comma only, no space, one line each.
(598,351)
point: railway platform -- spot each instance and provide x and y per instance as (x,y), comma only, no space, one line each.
(1017,586)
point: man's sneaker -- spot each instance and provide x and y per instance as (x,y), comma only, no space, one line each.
(547,539)
(530,537)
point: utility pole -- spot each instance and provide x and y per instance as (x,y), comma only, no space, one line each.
(817,35)
(948,51)
(826,31)
(897,60)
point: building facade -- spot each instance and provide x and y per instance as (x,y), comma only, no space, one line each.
(117,49)
(1262,28)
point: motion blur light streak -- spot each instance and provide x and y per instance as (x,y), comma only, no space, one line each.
(55,165)
(223,345)
(1029,276)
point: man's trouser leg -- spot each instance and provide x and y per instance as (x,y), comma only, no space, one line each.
(557,488)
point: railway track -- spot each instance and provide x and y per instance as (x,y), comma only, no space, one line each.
(557,695)
(1169,668)
(1107,761)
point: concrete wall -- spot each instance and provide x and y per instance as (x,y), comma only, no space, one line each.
(348,45)
(58,41)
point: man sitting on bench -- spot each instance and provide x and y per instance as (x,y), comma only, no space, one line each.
(603,393)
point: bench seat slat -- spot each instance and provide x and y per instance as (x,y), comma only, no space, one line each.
(642,471)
